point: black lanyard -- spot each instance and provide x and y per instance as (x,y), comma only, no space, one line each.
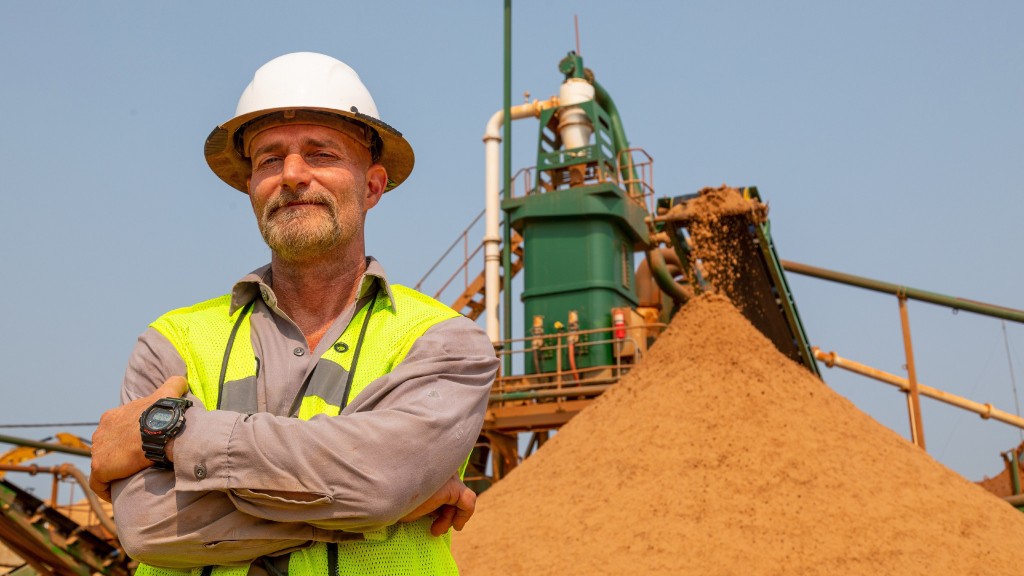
(305,384)
(355,353)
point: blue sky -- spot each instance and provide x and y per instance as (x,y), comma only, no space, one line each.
(885,137)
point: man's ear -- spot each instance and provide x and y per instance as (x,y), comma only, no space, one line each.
(376,181)
(248,188)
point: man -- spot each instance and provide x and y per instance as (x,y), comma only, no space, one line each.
(332,412)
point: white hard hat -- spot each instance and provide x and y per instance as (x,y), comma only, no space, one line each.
(306,82)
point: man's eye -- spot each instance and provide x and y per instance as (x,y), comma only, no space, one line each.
(267,161)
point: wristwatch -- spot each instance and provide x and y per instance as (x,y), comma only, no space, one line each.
(164,420)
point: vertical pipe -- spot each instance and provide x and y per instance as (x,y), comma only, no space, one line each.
(1015,471)
(506,244)
(492,213)
(913,396)
(558,361)
(1013,379)
(492,226)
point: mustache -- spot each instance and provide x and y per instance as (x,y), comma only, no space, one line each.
(307,197)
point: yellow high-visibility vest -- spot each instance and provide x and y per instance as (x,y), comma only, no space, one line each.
(201,334)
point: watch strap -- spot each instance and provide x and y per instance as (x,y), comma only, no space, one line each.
(155,448)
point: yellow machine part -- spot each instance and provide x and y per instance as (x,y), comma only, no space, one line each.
(20,454)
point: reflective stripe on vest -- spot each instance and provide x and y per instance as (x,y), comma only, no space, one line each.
(200,334)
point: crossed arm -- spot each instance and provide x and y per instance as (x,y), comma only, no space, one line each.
(270,484)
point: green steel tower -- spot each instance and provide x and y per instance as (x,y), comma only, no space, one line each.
(581,224)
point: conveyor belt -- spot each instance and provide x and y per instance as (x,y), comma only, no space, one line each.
(50,542)
(739,260)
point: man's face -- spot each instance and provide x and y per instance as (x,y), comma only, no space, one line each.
(310,189)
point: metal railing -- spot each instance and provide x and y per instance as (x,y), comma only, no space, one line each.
(636,170)
(566,381)
(467,257)
(910,385)
(527,187)
(470,249)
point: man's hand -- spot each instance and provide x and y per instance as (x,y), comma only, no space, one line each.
(451,506)
(117,443)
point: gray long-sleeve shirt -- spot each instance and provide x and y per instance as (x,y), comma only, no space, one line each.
(250,485)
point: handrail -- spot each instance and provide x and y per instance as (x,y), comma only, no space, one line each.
(525,174)
(556,342)
(986,411)
(461,268)
(639,184)
(903,291)
(458,238)
(911,386)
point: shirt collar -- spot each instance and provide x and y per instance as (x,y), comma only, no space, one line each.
(258,282)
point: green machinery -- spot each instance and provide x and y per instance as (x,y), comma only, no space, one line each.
(582,226)
(590,311)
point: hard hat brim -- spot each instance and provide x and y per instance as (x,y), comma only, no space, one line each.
(229,165)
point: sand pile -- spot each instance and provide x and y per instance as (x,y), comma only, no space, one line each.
(720,456)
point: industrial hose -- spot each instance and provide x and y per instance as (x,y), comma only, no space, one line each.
(663,277)
(572,360)
(94,501)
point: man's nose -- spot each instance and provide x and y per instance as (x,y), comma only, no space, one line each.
(295,173)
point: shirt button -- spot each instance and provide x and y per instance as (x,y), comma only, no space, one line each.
(199,471)
(298,351)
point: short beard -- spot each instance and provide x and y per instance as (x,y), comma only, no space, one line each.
(298,236)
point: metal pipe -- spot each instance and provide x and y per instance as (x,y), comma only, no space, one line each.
(53,490)
(506,253)
(986,411)
(664,279)
(913,395)
(618,131)
(954,302)
(1015,500)
(1015,471)
(31,469)
(492,221)
(44,446)
(563,392)
(62,471)
(619,140)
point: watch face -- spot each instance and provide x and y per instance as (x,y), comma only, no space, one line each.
(159,418)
